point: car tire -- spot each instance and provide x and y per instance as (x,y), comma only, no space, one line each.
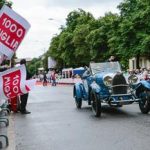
(144,104)
(95,103)
(78,102)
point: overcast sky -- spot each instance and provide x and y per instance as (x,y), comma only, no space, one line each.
(38,12)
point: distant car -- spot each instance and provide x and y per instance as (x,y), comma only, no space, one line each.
(105,83)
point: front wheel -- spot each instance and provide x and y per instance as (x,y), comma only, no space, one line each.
(78,102)
(144,104)
(95,103)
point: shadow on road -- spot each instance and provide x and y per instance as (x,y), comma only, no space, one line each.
(110,112)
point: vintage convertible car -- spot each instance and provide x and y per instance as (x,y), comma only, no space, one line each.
(105,83)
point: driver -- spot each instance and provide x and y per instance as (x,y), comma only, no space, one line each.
(112,58)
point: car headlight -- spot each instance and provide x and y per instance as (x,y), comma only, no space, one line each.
(108,80)
(132,79)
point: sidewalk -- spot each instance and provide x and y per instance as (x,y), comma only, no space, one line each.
(69,81)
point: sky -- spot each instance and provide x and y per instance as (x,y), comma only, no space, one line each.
(46,17)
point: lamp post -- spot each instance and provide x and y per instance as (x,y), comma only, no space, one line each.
(57,22)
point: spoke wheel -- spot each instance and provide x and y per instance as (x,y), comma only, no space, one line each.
(144,104)
(78,102)
(96,104)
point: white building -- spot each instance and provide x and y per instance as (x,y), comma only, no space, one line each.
(144,62)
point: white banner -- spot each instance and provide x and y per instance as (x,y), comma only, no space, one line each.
(13,82)
(51,63)
(13,29)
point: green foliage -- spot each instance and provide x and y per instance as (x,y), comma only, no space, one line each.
(8,3)
(76,18)
(34,65)
(86,39)
(81,54)
(134,28)
(70,48)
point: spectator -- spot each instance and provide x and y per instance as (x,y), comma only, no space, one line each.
(53,78)
(145,75)
(44,79)
(24,97)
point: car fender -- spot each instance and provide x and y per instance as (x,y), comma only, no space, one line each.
(78,90)
(141,86)
(145,84)
(95,87)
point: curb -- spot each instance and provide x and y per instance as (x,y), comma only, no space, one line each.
(62,83)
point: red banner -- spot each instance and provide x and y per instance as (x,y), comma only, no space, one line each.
(13,29)
(11,84)
(11,32)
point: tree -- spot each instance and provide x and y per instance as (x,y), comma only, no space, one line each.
(101,36)
(86,39)
(134,28)
(34,65)
(66,46)
(82,50)
(8,3)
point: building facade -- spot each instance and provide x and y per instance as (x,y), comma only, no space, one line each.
(144,62)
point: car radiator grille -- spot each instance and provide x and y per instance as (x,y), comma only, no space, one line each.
(119,84)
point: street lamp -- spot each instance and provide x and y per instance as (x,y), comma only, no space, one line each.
(58,21)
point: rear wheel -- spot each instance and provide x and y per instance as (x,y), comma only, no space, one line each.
(144,104)
(96,104)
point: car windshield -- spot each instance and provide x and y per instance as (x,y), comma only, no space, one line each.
(106,67)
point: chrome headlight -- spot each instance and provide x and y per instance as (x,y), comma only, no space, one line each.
(132,79)
(107,80)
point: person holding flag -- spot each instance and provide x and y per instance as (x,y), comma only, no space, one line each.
(24,97)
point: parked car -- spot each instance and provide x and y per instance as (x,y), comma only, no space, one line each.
(105,83)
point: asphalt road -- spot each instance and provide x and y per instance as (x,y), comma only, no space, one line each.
(56,124)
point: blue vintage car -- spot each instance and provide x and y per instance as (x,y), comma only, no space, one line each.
(105,83)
